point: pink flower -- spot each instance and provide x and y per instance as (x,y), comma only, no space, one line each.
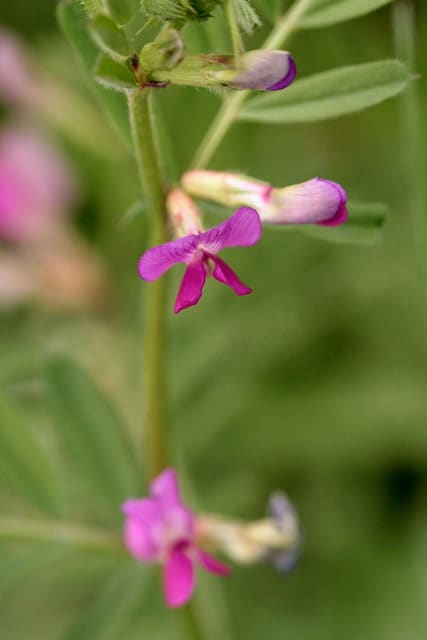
(198,252)
(162,529)
(316,201)
(36,186)
(17,80)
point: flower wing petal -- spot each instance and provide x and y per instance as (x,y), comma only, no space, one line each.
(242,229)
(179,578)
(157,260)
(192,285)
(144,528)
(223,273)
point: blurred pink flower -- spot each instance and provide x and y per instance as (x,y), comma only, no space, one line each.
(37,186)
(17,78)
(163,529)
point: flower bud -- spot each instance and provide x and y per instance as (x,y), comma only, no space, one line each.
(257,70)
(315,201)
(275,539)
(183,214)
(166,52)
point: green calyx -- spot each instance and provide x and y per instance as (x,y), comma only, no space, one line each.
(197,71)
(166,52)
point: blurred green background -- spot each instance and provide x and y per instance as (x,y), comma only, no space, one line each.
(315,384)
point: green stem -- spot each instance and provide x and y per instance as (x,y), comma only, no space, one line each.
(154,338)
(230,108)
(29,530)
(154,323)
(189,624)
(236,38)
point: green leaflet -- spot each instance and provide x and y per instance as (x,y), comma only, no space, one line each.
(108,615)
(94,439)
(24,468)
(330,94)
(326,12)
(122,11)
(74,23)
(364,226)
(113,75)
(109,36)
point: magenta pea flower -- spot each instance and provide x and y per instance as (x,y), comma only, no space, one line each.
(316,201)
(161,529)
(199,253)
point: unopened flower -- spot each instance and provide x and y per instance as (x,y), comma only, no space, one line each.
(256,70)
(161,529)
(199,253)
(316,201)
(274,539)
(36,186)
(183,214)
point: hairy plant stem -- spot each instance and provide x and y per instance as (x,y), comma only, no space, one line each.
(231,106)
(154,324)
(235,34)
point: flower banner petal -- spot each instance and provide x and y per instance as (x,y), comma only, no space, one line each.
(243,229)
(165,487)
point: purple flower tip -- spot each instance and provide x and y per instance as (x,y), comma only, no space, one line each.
(288,78)
(161,528)
(265,71)
(340,215)
(199,253)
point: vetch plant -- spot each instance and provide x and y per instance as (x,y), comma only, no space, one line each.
(135,51)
